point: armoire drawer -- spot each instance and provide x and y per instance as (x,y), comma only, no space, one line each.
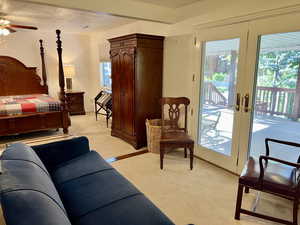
(125,43)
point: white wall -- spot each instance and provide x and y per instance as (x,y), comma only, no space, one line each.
(76,50)
(178,66)
(136,27)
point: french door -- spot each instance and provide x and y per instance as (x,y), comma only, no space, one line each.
(247,89)
(222,53)
(273,77)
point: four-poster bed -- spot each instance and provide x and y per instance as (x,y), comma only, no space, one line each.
(24,102)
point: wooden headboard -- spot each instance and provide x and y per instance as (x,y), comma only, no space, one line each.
(17,79)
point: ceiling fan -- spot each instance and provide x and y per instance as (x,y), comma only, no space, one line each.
(6,27)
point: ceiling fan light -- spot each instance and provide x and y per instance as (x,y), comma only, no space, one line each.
(4,32)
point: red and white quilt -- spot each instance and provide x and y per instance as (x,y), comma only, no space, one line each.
(24,104)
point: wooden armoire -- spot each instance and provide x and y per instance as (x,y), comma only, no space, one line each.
(137,67)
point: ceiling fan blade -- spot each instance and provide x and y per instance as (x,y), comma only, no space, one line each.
(11,30)
(22,27)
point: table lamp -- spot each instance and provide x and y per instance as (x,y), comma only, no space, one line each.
(69,71)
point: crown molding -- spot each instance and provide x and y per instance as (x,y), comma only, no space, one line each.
(249,17)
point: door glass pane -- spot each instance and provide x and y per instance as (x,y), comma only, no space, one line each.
(277,95)
(220,59)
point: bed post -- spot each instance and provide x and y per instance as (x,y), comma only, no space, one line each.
(44,74)
(62,94)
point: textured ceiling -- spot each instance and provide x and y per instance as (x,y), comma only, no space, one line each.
(169,3)
(50,18)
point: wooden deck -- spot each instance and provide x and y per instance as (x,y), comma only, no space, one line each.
(268,100)
(264,125)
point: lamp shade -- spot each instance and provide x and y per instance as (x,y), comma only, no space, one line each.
(69,71)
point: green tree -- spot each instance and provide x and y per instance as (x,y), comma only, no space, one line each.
(219,76)
(278,68)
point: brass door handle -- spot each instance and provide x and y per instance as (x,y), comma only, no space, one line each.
(238,102)
(246,103)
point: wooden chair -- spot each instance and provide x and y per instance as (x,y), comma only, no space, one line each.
(271,175)
(172,135)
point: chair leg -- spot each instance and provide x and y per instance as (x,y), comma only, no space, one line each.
(96,112)
(185,152)
(162,153)
(247,190)
(295,212)
(191,157)
(107,119)
(239,202)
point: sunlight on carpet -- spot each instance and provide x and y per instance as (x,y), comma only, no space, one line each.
(205,195)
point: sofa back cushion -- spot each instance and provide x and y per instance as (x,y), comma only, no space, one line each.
(20,151)
(28,195)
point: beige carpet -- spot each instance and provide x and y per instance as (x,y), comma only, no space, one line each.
(204,196)
(97,132)
(31,138)
(99,136)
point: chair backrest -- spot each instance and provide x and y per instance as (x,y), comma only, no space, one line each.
(171,121)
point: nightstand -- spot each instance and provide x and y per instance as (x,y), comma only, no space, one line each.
(75,100)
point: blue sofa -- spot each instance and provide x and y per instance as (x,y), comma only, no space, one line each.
(65,183)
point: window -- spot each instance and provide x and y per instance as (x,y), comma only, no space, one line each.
(105,72)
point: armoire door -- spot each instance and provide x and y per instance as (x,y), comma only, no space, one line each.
(116,88)
(127,91)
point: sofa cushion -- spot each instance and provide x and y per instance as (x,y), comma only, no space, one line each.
(93,191)
(134,210)
(22,152)
(24,177)
(87,193)
(55,153)
(27,207)
(83,165)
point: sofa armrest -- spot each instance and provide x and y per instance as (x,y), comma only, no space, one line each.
(55,153)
